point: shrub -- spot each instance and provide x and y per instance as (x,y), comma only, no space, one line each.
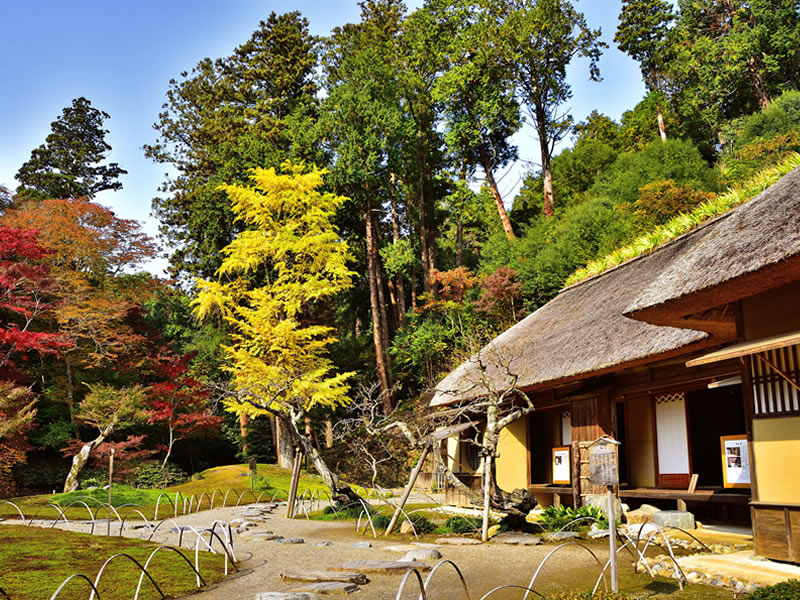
(566,518)
(152,475)
(422,524)
(785,590)
(661,200)
(381,521)
(676,160)
(460,524)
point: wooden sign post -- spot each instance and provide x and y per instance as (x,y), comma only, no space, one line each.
(603,470)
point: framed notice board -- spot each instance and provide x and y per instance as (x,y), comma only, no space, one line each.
(735,461)
(561,466)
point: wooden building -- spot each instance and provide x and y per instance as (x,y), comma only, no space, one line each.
(688,356)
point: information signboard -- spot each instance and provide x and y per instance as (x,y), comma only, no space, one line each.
(603,463)
(561,465)
(735,461)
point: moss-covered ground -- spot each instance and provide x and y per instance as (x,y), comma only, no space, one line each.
(35,561)
(272,481)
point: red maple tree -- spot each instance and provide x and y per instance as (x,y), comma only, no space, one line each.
(180,402)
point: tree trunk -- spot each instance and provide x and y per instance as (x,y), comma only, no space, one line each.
(71,397)
(413,288)
(544,147)
(375,296)
(757,82)
(285,446)
(328,433)
(498,199)
(243,422)
(339,491)
(399,284)
(661,129)
(170,444)
(393,302)
(423,239)
(81,458)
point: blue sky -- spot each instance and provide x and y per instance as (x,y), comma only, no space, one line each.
(121,56)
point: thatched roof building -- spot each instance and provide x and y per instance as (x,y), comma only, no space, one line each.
(584,331)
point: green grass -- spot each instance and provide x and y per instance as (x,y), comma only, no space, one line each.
(684,223)
(34,562)
(218,478)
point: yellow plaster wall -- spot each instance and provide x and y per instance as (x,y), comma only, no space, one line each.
(776,451)
(512,460)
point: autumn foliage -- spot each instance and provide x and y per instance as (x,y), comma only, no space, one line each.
(179,402)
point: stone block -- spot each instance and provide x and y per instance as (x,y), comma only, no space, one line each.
(638,517)
(286,596)
(421,554)
(515,538)
(674,518)
(601,501)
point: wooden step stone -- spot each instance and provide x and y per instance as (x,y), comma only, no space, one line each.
(322,576)
(382,567)
(328,587)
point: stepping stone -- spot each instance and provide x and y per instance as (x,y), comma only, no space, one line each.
(324,543)
(317,576)
(267,537)
(517,539)
(599,533)
(328,587)
(291,541)
(561,535)
(409,547)
(381,567)
(362,545)
(458,541)
(421,554)
(286,596)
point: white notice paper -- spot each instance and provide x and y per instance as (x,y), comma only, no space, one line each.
(736,462)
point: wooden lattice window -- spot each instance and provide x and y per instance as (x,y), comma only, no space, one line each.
(775,377)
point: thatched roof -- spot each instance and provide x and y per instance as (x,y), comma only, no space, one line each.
(584,331)
(752,248)
(579,333)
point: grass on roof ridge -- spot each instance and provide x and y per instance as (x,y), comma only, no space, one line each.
(685,222)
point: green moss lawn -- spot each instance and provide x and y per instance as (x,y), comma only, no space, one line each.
(34,562)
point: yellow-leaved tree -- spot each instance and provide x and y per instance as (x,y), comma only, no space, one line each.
(278,355)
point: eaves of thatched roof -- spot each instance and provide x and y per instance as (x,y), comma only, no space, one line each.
(750,249)
(586,331)
(580,333)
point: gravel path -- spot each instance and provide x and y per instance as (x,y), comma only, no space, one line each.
(484,566)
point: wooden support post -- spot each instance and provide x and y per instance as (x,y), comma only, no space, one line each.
(612,538)
(407,491)
(298,459)
(681,504)
(110,481)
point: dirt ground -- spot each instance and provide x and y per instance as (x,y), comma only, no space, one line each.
(484,567)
